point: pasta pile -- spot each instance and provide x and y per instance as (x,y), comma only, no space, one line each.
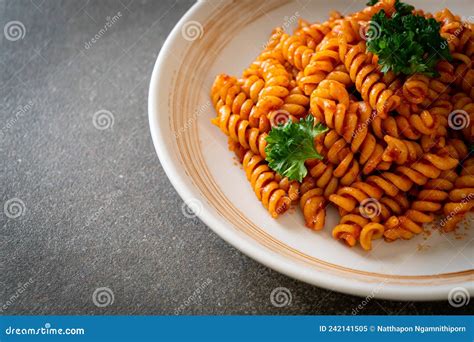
(396,152)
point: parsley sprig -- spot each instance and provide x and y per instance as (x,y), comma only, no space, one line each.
(290,145)
(406,43)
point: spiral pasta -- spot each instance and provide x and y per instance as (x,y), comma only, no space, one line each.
(348,229)
(461,197)
(277,81)
(313,206)
(231,114)
(296,51)
(402,179)
(367,78)
(396,153)
(350,119)
(267,190)
(422,90)
(320,65)
(463,115)
(313,34)
(428,202)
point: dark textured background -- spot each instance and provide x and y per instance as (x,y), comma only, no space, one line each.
(98,209)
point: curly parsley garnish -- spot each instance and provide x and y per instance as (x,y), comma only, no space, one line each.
(406,43)
(290,145)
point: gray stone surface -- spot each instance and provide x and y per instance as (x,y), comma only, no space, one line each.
(98,209)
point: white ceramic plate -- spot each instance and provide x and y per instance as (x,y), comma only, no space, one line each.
(224,36)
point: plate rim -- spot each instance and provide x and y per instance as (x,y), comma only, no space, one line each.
(257,252)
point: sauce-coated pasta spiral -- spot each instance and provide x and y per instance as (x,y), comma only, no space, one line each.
(368,80)
(262,179)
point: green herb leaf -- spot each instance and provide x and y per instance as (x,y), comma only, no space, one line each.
(372,2)
(290,145)
(406,43)
(402,8)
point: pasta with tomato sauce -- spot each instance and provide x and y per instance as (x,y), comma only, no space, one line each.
(325,116)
